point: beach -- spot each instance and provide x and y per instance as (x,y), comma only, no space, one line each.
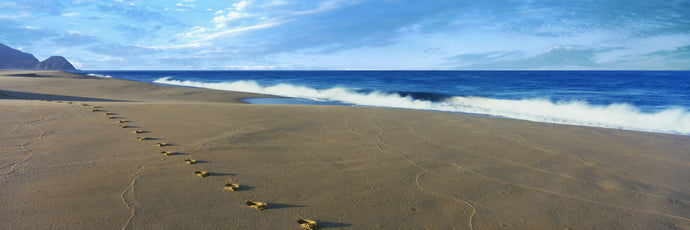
(65,163)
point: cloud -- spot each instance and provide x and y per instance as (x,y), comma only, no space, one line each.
(136,14)
(682,52)
(118,50)
(19,35)
(234,31)
(240,6)
(502,34)
(223,21)
(326,6)
(182,7)
(174,47)
(14,16)
(75,38)
(34,8)
(472,59)
(557,57)
(71,14)
(251,67)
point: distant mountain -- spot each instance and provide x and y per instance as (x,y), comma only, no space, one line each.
(14,59)
(55,63)
(11,58)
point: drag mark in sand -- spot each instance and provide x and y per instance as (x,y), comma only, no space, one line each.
(380,142)
(635,152)
(129,199)
(430,140)
(540,147)
(30,154)
(554,192)
(560,194)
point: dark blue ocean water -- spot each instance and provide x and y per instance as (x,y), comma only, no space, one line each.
(657,101)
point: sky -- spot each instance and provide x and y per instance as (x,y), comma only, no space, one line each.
(353,34)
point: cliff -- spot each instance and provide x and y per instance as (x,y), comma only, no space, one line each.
(11,58)
(14,59)
(55,63)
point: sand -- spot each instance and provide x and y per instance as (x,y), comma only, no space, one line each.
(63,166)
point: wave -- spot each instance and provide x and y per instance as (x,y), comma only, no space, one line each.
(616,116)
(99,75)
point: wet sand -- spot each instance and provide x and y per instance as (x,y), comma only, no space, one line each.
(66,164)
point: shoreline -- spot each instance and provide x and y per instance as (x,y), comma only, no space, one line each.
(342,166)
(614,114)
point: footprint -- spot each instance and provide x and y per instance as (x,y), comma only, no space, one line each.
(190,161)
(109,117)
(257,205)
(167,153)
(161,144)
(142,138)
(308,224)
(83,104)
(137,131)
(108,114)
(121,121)
(124,126)
(95,110)
(202,173)
(232,186)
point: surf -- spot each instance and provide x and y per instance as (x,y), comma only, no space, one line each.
(616,116)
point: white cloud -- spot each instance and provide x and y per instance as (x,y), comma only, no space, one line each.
(240,6)
(111,59)
(195,32)
(252,67)
(77,65)
(223,20)
(555,48)
(230,32)
(635,49)
(183,6)
(14,16)
(326,6)
(168,47)
(71,14)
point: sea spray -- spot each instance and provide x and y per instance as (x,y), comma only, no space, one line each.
(617,115)
(99,75)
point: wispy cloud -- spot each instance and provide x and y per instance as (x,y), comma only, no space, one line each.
(356,34)
(240,6)
(233,32)
(226,20)
(326,6)
(71,14)
(75,38)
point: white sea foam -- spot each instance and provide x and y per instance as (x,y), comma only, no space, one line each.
(617,116)
(99,75)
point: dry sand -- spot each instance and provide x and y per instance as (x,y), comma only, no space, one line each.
(63,166)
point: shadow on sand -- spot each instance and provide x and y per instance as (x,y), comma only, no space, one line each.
(41,96)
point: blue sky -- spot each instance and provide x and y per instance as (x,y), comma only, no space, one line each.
(352,34)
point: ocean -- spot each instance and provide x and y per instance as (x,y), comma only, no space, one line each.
(652,101)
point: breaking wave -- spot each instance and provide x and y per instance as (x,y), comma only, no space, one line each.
(99,75)
(616,116)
